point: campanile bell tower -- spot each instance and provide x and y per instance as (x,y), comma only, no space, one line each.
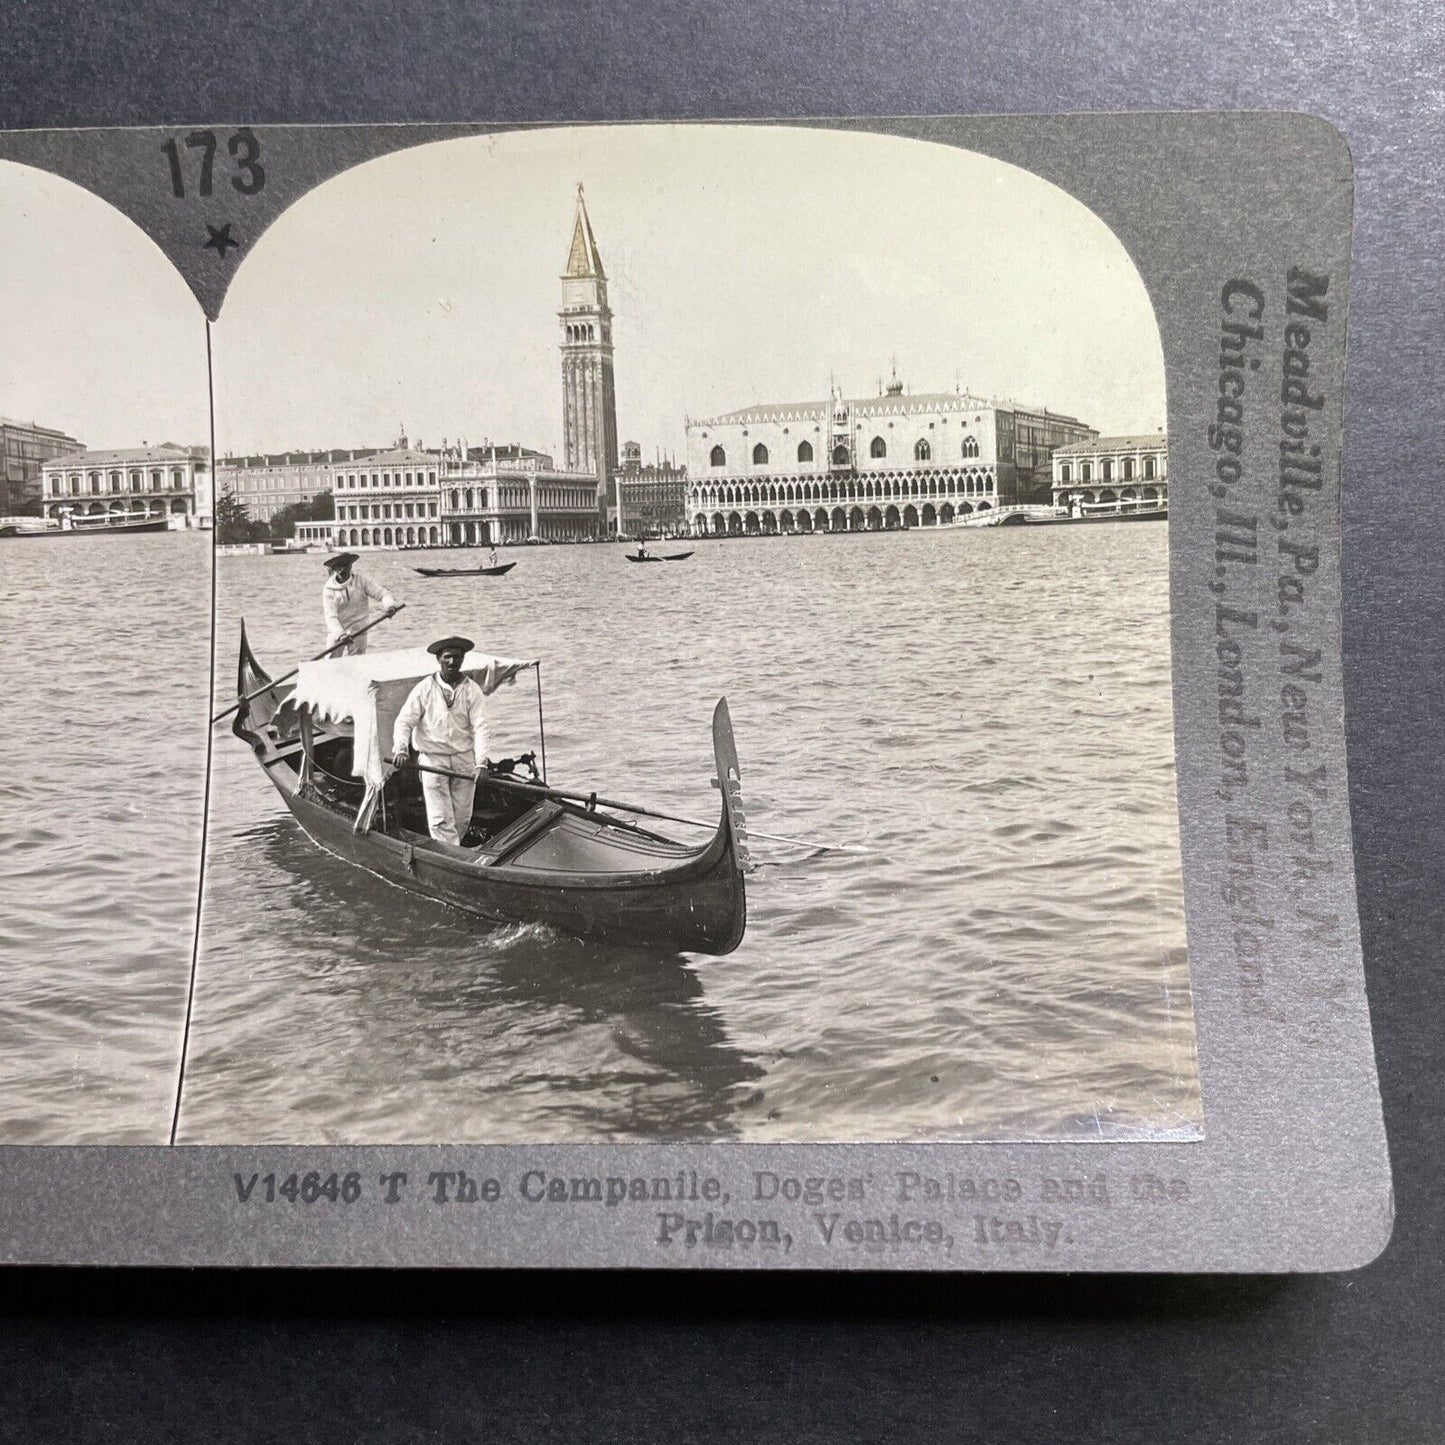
(589,396)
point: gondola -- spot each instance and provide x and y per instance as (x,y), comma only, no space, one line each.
(533,854)
(668,557)
(498,571)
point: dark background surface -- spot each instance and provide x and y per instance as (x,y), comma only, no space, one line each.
(324,1356)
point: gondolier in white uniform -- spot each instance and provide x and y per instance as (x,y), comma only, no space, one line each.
(346,604)
(445,718)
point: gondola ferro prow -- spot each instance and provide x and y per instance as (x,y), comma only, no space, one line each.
(730,783)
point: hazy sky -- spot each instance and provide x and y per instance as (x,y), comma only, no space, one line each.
(744,265)
(102,338)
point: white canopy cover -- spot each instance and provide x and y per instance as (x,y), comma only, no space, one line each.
(370,690)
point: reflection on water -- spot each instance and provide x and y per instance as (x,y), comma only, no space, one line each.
(470,1014)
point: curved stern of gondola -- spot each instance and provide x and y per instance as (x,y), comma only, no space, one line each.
(257,701)
(736,857)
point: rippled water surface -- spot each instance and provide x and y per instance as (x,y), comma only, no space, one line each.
(104,658)
(984,714)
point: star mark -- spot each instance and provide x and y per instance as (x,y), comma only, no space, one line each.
(220,239)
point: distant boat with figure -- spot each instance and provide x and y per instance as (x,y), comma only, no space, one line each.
(500,570)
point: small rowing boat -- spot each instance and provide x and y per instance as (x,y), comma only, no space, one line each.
(500,570)
(533,853)
(669,557)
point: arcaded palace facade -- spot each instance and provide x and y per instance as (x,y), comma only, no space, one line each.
(890,461)
(133,484)
(1129,472)
(388,499)
(511,494)
(459,497)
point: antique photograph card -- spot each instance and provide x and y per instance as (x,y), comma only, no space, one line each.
(704,695)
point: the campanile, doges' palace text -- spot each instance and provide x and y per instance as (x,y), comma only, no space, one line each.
(892,461)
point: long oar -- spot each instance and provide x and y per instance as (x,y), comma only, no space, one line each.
(593,801)
(277,681)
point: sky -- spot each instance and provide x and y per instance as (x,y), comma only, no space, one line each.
(102,337)
(745,265)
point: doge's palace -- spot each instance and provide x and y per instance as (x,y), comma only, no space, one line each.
(878,464)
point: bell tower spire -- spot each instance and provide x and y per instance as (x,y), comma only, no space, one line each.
(589,397)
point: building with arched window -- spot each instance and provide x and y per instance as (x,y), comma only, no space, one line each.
(511,494)
(1113,474)
(389,499)
(481,497)
(884,462)
(130,485)
(651,498)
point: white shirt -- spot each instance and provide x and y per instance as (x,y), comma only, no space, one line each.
(347,605)
(436,718)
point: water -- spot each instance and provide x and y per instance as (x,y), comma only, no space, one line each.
(986,713)
(104,651)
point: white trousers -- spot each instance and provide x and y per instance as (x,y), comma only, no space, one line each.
(448,800)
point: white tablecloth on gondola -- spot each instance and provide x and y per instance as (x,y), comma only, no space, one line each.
(369,691)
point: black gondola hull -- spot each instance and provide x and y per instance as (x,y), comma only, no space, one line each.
(678,899)
(500,570)
(699,909)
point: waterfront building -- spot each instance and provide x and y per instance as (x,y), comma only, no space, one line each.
(25,447)
(163,481)
(477,497)
(1131,472)
(265,483)
(390,498)
(652,498)
(890,461)
(500,495)
(589,393)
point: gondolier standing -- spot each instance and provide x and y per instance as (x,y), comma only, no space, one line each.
(346,603)
(445,718)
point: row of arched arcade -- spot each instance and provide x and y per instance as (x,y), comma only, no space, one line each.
(932,487)
(388,536)
(503,531)
(136,507)
(1144,497)
(768,523)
